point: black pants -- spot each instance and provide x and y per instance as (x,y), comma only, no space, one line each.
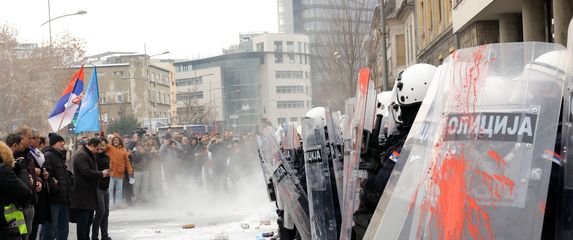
(85,219)
(101,215)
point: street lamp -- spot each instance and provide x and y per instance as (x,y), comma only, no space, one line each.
(50,19)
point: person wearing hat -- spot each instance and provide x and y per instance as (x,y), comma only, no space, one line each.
(60,186)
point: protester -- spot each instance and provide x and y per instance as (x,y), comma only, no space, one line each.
(84,190)
(102,211)
(155,175)
(169,153)
(60,188)
(219,152)
(14,192)
(119,164)
(41,208)
(25,133)
(196,159)
(140,161)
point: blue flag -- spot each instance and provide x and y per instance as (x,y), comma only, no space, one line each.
(88,115)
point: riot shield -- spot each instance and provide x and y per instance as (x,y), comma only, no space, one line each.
(566,231)
(351,172)
(334,147)
(477,159)
(290,192)
(319,186)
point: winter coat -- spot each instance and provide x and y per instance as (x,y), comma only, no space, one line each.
(29,164)
(102,164)
(12,188)
(118,162)
(55,164)
(86,176)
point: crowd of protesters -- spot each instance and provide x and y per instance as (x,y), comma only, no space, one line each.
(43,187)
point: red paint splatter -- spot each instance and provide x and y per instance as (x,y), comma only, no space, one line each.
(449,205)
(497,158)
(541,207)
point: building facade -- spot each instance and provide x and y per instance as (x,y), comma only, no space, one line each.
(269,79)
(132,85)
(286,89)
(336,30)
(512,21)
(401,44)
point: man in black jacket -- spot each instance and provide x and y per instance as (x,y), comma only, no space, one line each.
(84,190)
(25,133)
(12,191)
(102,211)
(60,187)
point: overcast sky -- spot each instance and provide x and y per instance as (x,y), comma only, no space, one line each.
(186,28)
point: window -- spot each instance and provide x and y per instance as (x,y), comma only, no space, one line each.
(261,47)
(290,89)
(119,98)
(189,96)
(291,58)
(290,104)
(102,100)
(189,81)
(182,68)
(305,59)
(293,119)
(288,74)
(118,73)
(281,120)
(299,49)
(278,57)
(278,46)
(100,74)
(290,46)
(400,50)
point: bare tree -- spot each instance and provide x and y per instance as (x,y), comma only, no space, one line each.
(33,77)
(338,52)
(192,112)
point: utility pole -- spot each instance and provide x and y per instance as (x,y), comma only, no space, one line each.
(383,49)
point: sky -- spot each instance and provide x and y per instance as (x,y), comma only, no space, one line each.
(188,29)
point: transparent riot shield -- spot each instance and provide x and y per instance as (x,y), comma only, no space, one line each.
(476,164)
(290,192)
(319,186)
(566,220)
(266,170)
(334,147)
(351,172)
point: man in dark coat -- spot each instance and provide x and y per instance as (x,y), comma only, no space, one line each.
(84,190)
(102,211)
(25,133)
(60,185)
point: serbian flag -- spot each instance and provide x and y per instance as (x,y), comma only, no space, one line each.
(67,105)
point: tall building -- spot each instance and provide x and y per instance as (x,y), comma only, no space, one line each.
(130,84)
(286,87)
(270,79)
(336,30)
(401,44)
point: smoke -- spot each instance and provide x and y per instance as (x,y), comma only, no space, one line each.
(215,197)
